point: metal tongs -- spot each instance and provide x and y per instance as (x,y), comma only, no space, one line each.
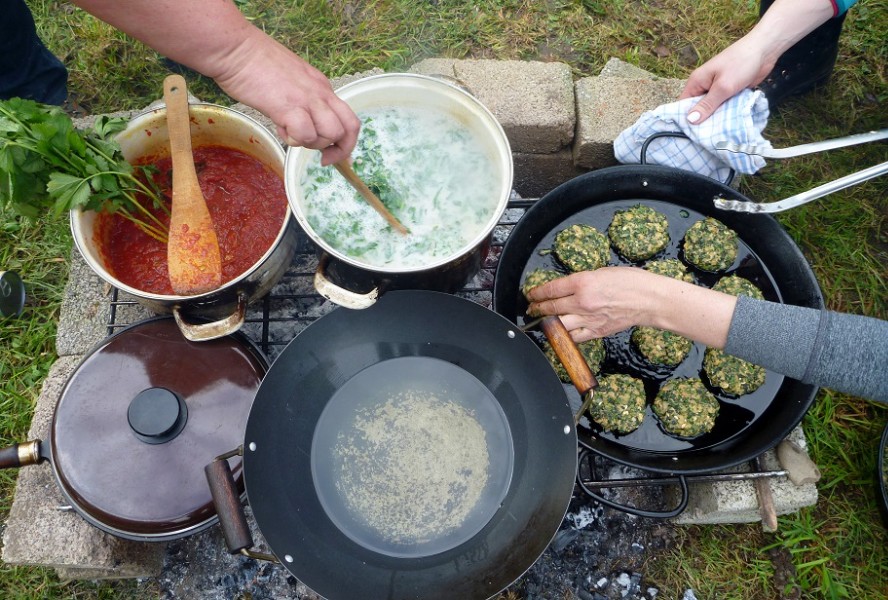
(818,192)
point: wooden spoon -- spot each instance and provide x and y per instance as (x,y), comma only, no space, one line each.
(345,168)
(195,263)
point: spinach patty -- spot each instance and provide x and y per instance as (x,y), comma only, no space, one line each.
(732,375)
(660,346)
(538,277)
(618,403)
(592,351)
(670,267)
(639,232)
(581,248)
(738,286)
(710,245)
(685,407)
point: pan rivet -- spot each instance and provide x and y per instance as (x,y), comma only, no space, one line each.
(252,446)
(288,558)
(644,183)
(566,429)
(511,334)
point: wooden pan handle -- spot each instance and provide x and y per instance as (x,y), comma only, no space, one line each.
(228,506)
(569,355)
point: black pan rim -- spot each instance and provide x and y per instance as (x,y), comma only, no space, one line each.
(650,182)
(406,577)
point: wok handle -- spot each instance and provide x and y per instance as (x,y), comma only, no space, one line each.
(228,506)
(569,355)
(20,455)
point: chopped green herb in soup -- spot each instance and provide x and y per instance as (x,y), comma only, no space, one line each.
(429,171)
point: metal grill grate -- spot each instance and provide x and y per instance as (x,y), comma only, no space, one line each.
(272,322)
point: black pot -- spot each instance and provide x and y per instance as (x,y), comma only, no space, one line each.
(752,424)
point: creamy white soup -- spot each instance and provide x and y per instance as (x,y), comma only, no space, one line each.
(429,171)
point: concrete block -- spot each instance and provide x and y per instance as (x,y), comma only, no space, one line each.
(538,174)
(737,501)
(620,68)
(86,311)
(43,530)
(533,101)
(608,105)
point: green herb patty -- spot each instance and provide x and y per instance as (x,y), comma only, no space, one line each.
(710,245)
(581,248)
(618,403)
(685,407)
(592,351)
(639,232)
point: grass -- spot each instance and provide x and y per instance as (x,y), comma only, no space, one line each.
(836,549)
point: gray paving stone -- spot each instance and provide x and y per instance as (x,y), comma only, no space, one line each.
(737,501)
(615,67)
(608,105)
(533,101)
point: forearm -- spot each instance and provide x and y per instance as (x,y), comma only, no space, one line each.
(844,352)
(786,22)
(698,313)
(202,34)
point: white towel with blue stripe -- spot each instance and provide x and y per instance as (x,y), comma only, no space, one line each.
(739,120)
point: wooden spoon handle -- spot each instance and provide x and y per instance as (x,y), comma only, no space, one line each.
(178,118)
(344,167)
(195,262)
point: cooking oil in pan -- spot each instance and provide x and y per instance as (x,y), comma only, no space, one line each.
(412,457)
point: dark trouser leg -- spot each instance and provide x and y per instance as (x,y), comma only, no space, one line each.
(27,68)
(806,65)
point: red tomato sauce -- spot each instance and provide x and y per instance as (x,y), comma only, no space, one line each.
(247,203)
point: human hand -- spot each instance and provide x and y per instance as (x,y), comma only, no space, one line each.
(594,304)
(741,65)
(296,96)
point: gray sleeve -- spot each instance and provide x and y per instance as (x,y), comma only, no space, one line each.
(844,352)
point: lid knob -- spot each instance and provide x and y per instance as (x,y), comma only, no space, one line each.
(156,415)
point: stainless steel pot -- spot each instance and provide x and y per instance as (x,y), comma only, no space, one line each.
(354,283)
(224,307)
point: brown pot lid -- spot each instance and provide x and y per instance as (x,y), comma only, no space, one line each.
(141,417)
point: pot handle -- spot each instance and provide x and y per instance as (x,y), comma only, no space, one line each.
(681,480)
(20,455)
(201,332)
(229,509)
(341,296)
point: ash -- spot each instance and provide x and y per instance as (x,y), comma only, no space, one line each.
(597,554)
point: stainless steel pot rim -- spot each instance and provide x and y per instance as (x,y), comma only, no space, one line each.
(100,270)
(483,234)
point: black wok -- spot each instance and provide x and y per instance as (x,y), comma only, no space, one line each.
(747,426)
(289,421)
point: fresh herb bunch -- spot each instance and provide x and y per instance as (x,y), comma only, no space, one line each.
(46,163)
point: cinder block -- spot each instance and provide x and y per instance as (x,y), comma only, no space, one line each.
(608,105)
(533,101)
(620,68)
(538,174)
(737,501)
(41,531)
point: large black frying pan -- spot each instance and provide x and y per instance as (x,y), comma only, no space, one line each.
(747,426)
(303,404)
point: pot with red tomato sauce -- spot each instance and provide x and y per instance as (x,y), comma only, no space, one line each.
(240,170)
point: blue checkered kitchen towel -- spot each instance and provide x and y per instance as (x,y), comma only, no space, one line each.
(739,120)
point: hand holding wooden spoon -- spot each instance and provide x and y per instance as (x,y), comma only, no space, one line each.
(195,262)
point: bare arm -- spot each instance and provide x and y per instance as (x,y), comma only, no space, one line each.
(747,62)
(213,38)
(602,302)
